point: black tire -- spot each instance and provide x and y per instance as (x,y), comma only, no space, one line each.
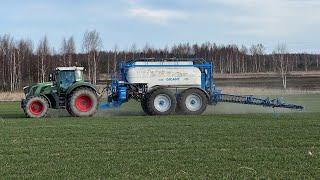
(144,105)
(82,102)
(69,110)
(165,97)
(36,107)
(178,110)
(192,102)
(144,102)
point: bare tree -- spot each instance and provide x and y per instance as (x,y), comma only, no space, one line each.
(91,45)
(12,65)
(68,49)
(115,52)
(280,53)
(257,52)
(71,50)
(63,51)
(307,61)
(133,49)
(6,45)
(166,51)
(43,52)
(243,52)
(25,73)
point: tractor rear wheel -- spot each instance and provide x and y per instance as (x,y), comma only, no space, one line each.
(161,102)
(192,102)
(82,102)
(69,110)
(36,107)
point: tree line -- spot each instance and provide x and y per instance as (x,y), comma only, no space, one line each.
(22,62)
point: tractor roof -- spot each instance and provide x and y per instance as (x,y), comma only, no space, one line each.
(69,68)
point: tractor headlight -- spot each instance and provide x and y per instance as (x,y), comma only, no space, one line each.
(26,90)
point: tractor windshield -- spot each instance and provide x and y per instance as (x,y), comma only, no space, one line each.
(67,78)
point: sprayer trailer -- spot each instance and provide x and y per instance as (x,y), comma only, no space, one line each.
(166,86)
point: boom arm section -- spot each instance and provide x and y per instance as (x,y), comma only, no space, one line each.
(251,100)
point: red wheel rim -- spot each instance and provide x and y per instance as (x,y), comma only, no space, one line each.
(36,107)
(84,103)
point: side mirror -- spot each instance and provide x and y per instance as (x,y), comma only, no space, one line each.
(51,77)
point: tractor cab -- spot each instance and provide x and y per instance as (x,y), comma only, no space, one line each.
(64,77)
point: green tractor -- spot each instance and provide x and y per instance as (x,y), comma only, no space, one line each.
(66,90)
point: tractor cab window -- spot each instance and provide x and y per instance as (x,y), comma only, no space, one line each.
(79,75)
(67,78)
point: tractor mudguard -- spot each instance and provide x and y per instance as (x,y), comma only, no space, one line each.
(42,88)
(81,84)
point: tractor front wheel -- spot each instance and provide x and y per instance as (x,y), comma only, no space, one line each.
(36,107)
(82,102)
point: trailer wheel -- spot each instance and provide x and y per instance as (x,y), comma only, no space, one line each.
(161,102)
(193,102)
(82,102)
(144,102)
(36,107)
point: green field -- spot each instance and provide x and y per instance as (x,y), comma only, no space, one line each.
(125,144)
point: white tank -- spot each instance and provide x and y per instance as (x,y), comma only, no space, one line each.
(173,76)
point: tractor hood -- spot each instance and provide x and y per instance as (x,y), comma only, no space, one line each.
(36,89)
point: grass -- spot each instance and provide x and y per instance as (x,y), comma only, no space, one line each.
(133,146)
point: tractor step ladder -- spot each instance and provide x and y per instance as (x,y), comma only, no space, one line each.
(62,100)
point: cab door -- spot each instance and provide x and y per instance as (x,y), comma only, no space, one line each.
(66,79)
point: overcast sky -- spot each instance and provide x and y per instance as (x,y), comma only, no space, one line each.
(166,22)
